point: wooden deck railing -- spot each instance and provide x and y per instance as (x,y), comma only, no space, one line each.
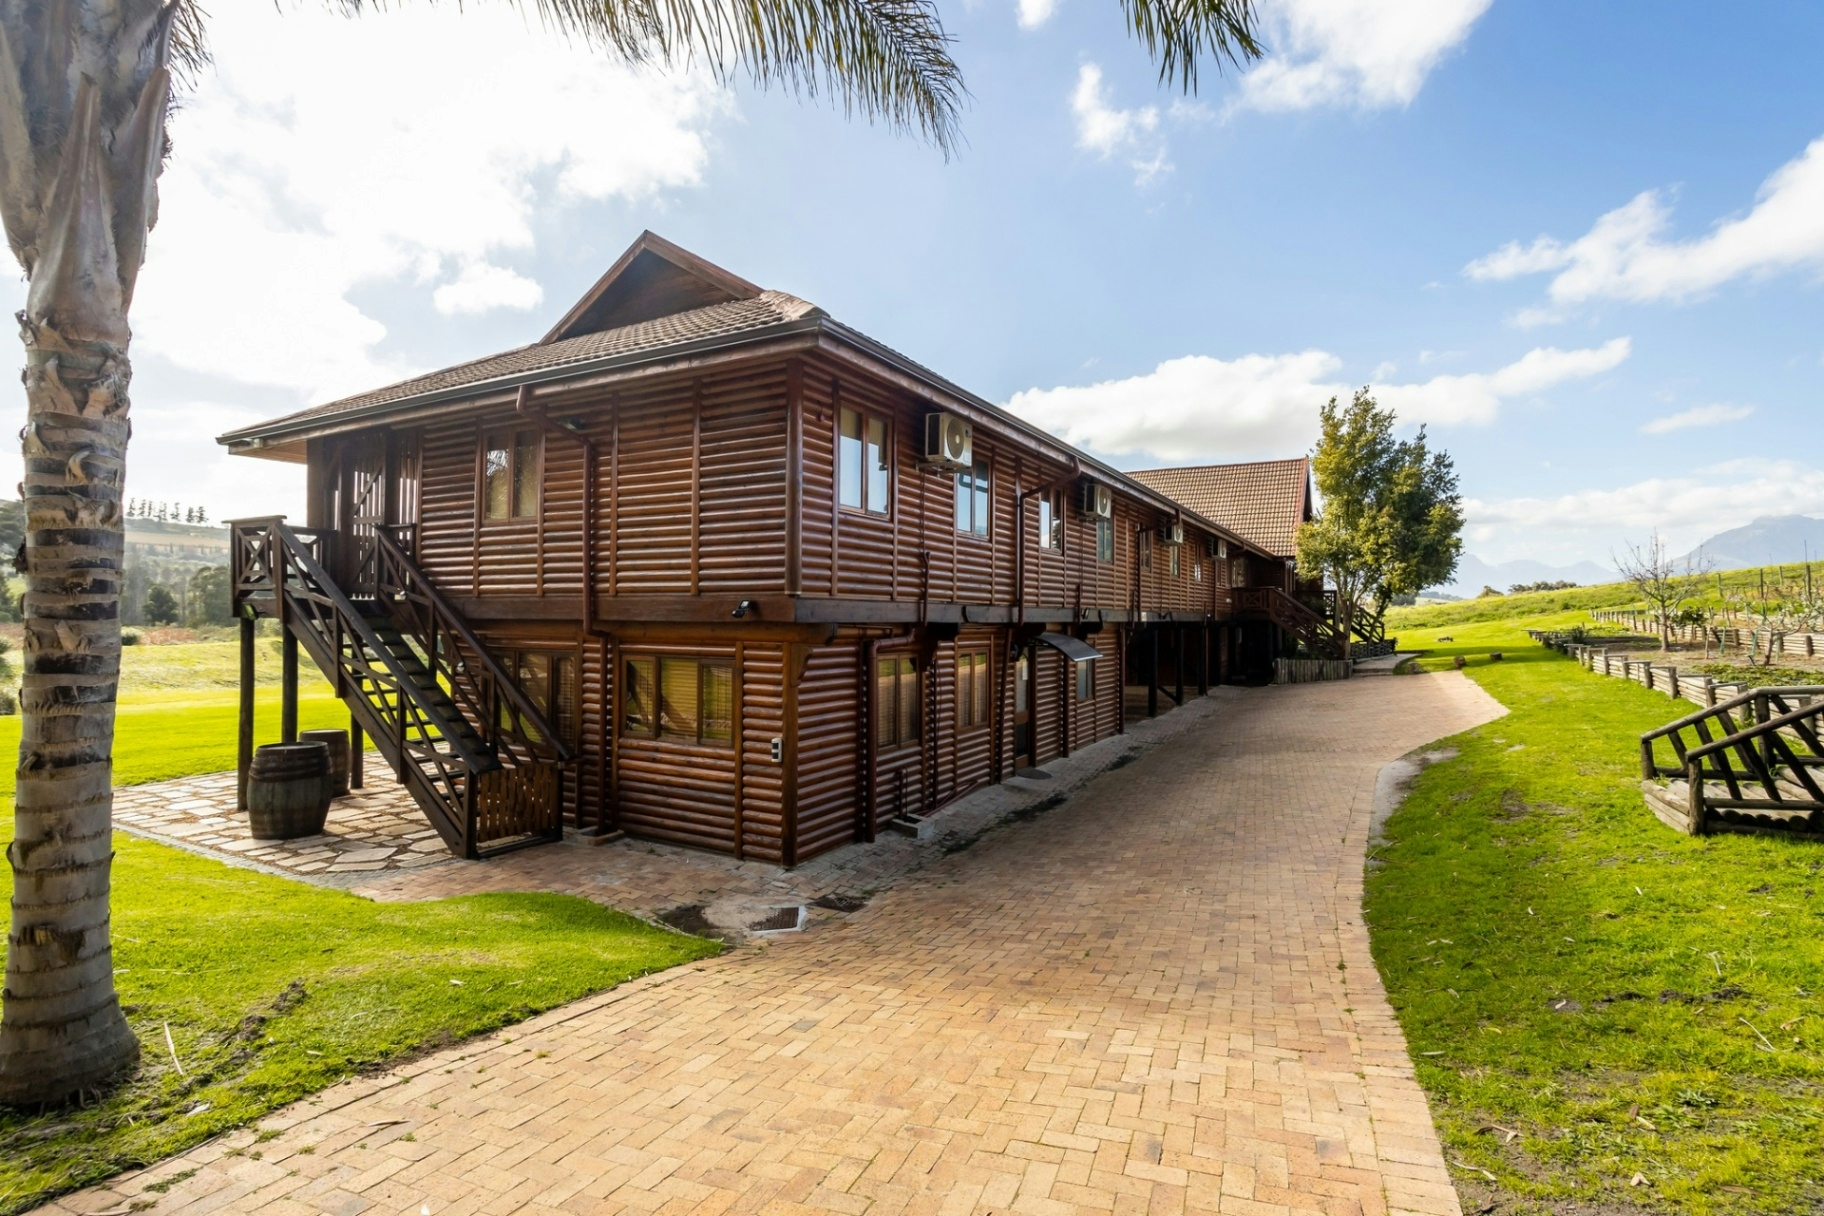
(1755,752)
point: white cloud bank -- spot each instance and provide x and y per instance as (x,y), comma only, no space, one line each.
(1034,13)
(1626,255)
(1361,54)
(293,186)
(1702,415)
(1685,510)
(1203,408)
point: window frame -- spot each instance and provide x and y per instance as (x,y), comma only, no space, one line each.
(978,496)
(975,695)
(864,485)
(654,728)
(1086,679)
(905,667)
(1105,540)
(1175,564)
(509,439)
(564,714)
(1051,521)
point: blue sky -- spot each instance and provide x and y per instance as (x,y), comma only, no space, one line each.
(1584,243)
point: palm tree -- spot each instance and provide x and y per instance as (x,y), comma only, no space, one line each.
(85,86)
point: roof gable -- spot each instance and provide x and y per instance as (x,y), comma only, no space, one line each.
(1263,501)
(653,279)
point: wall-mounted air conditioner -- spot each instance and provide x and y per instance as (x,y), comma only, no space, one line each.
(1095,499)
(1171,533)
(949,442)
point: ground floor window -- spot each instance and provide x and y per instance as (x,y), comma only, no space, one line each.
(1086,679)
(972,689)
(896,717)
(548,679)
(677,697)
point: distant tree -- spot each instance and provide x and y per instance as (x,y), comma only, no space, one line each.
(161,606)
(210,601)
(1392,519)
(9,607)
(12,526)
(1664,582)
(1542,585)
(202,515)
(1488,591)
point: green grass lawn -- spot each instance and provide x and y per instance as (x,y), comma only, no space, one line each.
(273,989)
(1527,871)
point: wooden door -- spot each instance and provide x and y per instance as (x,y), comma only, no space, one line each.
(1022,710)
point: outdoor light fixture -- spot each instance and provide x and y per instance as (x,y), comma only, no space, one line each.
(745,607)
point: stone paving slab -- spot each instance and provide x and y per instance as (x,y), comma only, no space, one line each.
(1157,997)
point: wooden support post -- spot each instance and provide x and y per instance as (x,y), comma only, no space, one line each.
(356,746)
(244,748)
(288,688)
(1178,663)
(1152,672)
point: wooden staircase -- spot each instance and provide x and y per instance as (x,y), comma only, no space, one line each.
(1298,619)
(1753,763)
(477,756)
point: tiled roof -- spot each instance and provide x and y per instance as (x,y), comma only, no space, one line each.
(1263,501)
(713,321)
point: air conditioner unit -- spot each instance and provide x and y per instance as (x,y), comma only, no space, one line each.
(949,442)
(1171,533)
(1095,499)
(1218,547)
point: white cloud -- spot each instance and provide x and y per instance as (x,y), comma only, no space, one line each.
(1034,13)
(1702,415)
(1365,54)
(1203,408)
(1686,509)
(482,287)
(1106,130)
(284,197)
(1626,256)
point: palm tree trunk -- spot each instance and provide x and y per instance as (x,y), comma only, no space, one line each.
(63,1031)
(83,95)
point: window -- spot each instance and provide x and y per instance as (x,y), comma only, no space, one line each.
(973,697)
(1051,521)
(510,475)
(549,682)
(1173,549)
(1105,540)
(863,471)
(972,500)
(1086,680)
(896,703)
(1197,570)
(672,697)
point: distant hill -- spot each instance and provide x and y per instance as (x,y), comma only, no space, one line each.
(1770,540)
(1473,574)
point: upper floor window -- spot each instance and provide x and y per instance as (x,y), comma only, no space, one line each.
(1105,540)
(863,464)
(1051,521)
(972,689)
(896,703)
(972,499)
(673,697)
(510,475)
(1173,550)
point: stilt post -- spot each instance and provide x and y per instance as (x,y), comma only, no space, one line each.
(356,744)
(288,687)
(243,760)
(1152,674)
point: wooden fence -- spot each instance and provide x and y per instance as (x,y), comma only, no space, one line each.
(1747,641)
(1310,671)
(1661,677)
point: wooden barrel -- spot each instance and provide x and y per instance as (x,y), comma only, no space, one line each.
(337,743)
(288,790)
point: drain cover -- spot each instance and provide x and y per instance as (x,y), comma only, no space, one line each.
(840,903)
(779,920)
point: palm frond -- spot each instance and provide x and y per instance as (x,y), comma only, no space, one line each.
(886,59)
(189,42)
(1179,33)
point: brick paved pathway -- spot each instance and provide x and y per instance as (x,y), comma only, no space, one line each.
(1156,998)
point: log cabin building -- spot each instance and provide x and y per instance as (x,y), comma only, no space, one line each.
(705,565)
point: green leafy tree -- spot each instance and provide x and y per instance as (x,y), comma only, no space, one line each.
(1392,519)
(85,87)
(161,606)
(210,601)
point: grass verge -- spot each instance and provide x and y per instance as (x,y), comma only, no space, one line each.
(1607,1016)
(274,989)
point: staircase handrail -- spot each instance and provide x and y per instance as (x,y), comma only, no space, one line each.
(1292,613)
(1699,720)
(324,588)
(419,586)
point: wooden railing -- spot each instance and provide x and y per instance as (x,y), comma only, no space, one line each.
(1289,614)
(490,698)
(1745,762)
(476,781)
